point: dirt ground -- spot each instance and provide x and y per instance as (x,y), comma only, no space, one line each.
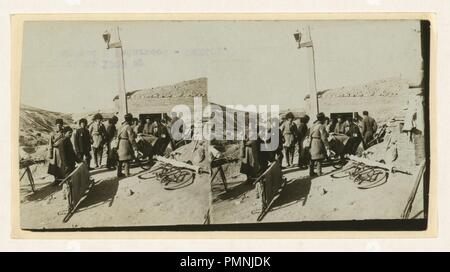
(321,198)
(317,199)
(139,200)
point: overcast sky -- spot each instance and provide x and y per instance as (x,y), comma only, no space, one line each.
(66,66)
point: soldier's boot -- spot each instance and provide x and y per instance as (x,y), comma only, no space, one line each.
(311,169)
(88,163)
(100,156)
(288,157)
(319,168)
(127,168)
(292,155)
(119,170)
(299,161)
(95,158)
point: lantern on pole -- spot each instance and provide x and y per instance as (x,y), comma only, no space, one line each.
(113,41)
(107,38)
(298,37)
(308,44)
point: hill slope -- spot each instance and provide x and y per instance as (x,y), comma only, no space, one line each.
(36,124)
(383,87)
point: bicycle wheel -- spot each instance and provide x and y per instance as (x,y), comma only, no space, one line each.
(143,162)
(373,178)
(146,165)
(344,172)
(180,180)
(338,162)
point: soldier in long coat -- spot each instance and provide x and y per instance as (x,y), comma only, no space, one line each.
(111,133)
(160,131)
(82,141)
(127,148)
(98,134)
(250,158)
(55,167)
(319,148)
(68,153)
(302,132)
(355,136)
(369,127)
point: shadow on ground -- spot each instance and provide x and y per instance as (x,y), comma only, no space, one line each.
(102,192)
(43,192)
(235,192)
(295,191)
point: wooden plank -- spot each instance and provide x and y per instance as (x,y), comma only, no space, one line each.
(178,164)
(387,167)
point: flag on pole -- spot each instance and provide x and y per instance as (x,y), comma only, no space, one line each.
(113,39)
(115,45)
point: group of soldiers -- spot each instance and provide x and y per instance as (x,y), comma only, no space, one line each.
(311,142)
(68,148)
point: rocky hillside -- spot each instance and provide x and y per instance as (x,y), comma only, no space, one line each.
(35,126)
(384,87)
(383,99)
(162,99)
(188,88)
(106,114)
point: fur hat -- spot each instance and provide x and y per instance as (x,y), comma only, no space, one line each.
(321,116)
(83,120)
(128,117)
(67,129)
(97,116)
(289,115)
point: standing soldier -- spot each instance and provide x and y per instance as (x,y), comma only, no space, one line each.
(111,133)
(126,146)
(134,125)
(249,150)
(147,126)
(329,125)
(369,127)
(162,133)
(83,141)
(55,167)
(173,119)
(302,132)
(70,158)
(139,128)
(354,135)
(341,127)
(319,149)
(289,131)
(98,134)
(277,154)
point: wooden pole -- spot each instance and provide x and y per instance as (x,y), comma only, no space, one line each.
(313,79)
(312,82)
(123,108)
(409,204)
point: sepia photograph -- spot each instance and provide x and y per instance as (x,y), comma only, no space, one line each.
(224,125)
